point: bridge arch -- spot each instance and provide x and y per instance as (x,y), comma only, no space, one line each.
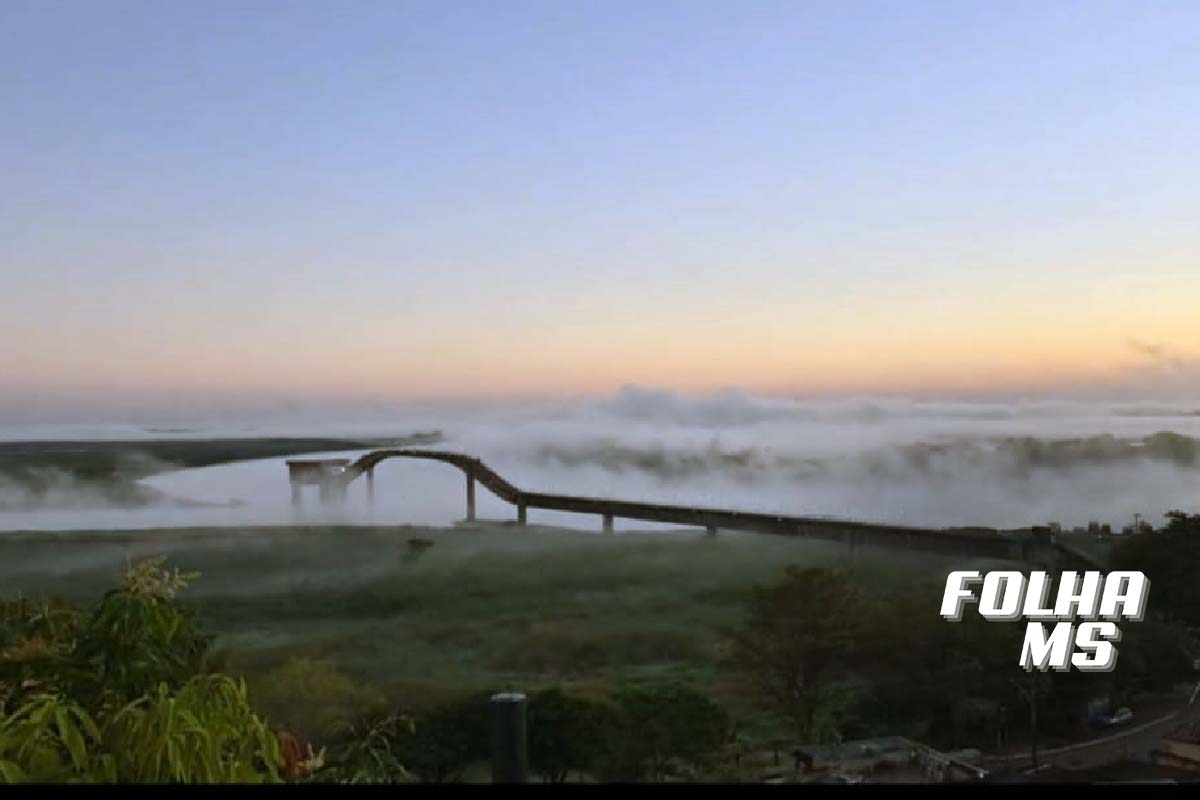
(473,468)
(1013,545)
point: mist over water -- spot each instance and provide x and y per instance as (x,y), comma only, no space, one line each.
(1004,464)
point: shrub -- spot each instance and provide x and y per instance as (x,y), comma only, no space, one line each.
(138,638)
(36,643)
(118,696)
(664,731)
(567,734)
(52,739)
(314,700)
(371,756)
(204,733)
(800,632)
(446,740)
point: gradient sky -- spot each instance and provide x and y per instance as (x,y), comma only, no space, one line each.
(404,199)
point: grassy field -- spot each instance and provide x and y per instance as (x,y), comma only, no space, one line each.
(486,606)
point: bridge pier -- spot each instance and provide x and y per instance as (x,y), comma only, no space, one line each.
(470,497)
(327,474)
(334,475)
(371,486)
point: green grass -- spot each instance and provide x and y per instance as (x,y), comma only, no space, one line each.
(486,606)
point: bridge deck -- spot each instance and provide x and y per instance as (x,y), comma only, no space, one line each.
(981,543)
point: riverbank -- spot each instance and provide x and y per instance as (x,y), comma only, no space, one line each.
(58,474)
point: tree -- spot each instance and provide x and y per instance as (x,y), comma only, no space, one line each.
(446,740)
(566,734)
(943,683)
(1170,559)
(664,730)
(800,632)
(139,637)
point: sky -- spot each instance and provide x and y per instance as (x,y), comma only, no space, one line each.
(217,199)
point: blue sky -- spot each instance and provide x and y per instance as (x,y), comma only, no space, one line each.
(483,198)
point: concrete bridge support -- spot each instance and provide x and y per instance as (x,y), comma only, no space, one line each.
(332,492)
(470,497)
(327,474)
(1023,545)
(371,486)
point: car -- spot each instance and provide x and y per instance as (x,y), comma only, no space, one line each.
(845,778)
(1122,717)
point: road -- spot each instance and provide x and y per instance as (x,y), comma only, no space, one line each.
(1130,743)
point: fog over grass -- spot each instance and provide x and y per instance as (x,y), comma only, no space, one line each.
(999,463)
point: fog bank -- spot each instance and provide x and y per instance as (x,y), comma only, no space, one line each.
(938,463)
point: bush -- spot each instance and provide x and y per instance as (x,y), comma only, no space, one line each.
(567,734)
(664,731)
(139,637)
(1170,559)
(206,732)
(314,700)
(118,696)
(371,754)
(800,634)
(36,643)
(446,740)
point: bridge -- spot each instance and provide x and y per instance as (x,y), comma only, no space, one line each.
(1035,546)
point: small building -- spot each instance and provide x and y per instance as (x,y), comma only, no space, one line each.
(887,759)
(1180,749)
(325,473)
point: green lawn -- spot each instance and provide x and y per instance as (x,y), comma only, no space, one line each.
(486,606)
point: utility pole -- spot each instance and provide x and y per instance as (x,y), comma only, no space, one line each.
(510,748)
(1030,695)
(1033,718)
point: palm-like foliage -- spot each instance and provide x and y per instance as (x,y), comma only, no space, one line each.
(133,643)
(36,643)
(51,739)
(204,733)
(139,637)
(120,696)
(371,755)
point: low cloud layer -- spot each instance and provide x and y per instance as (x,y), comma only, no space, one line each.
(938,463)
